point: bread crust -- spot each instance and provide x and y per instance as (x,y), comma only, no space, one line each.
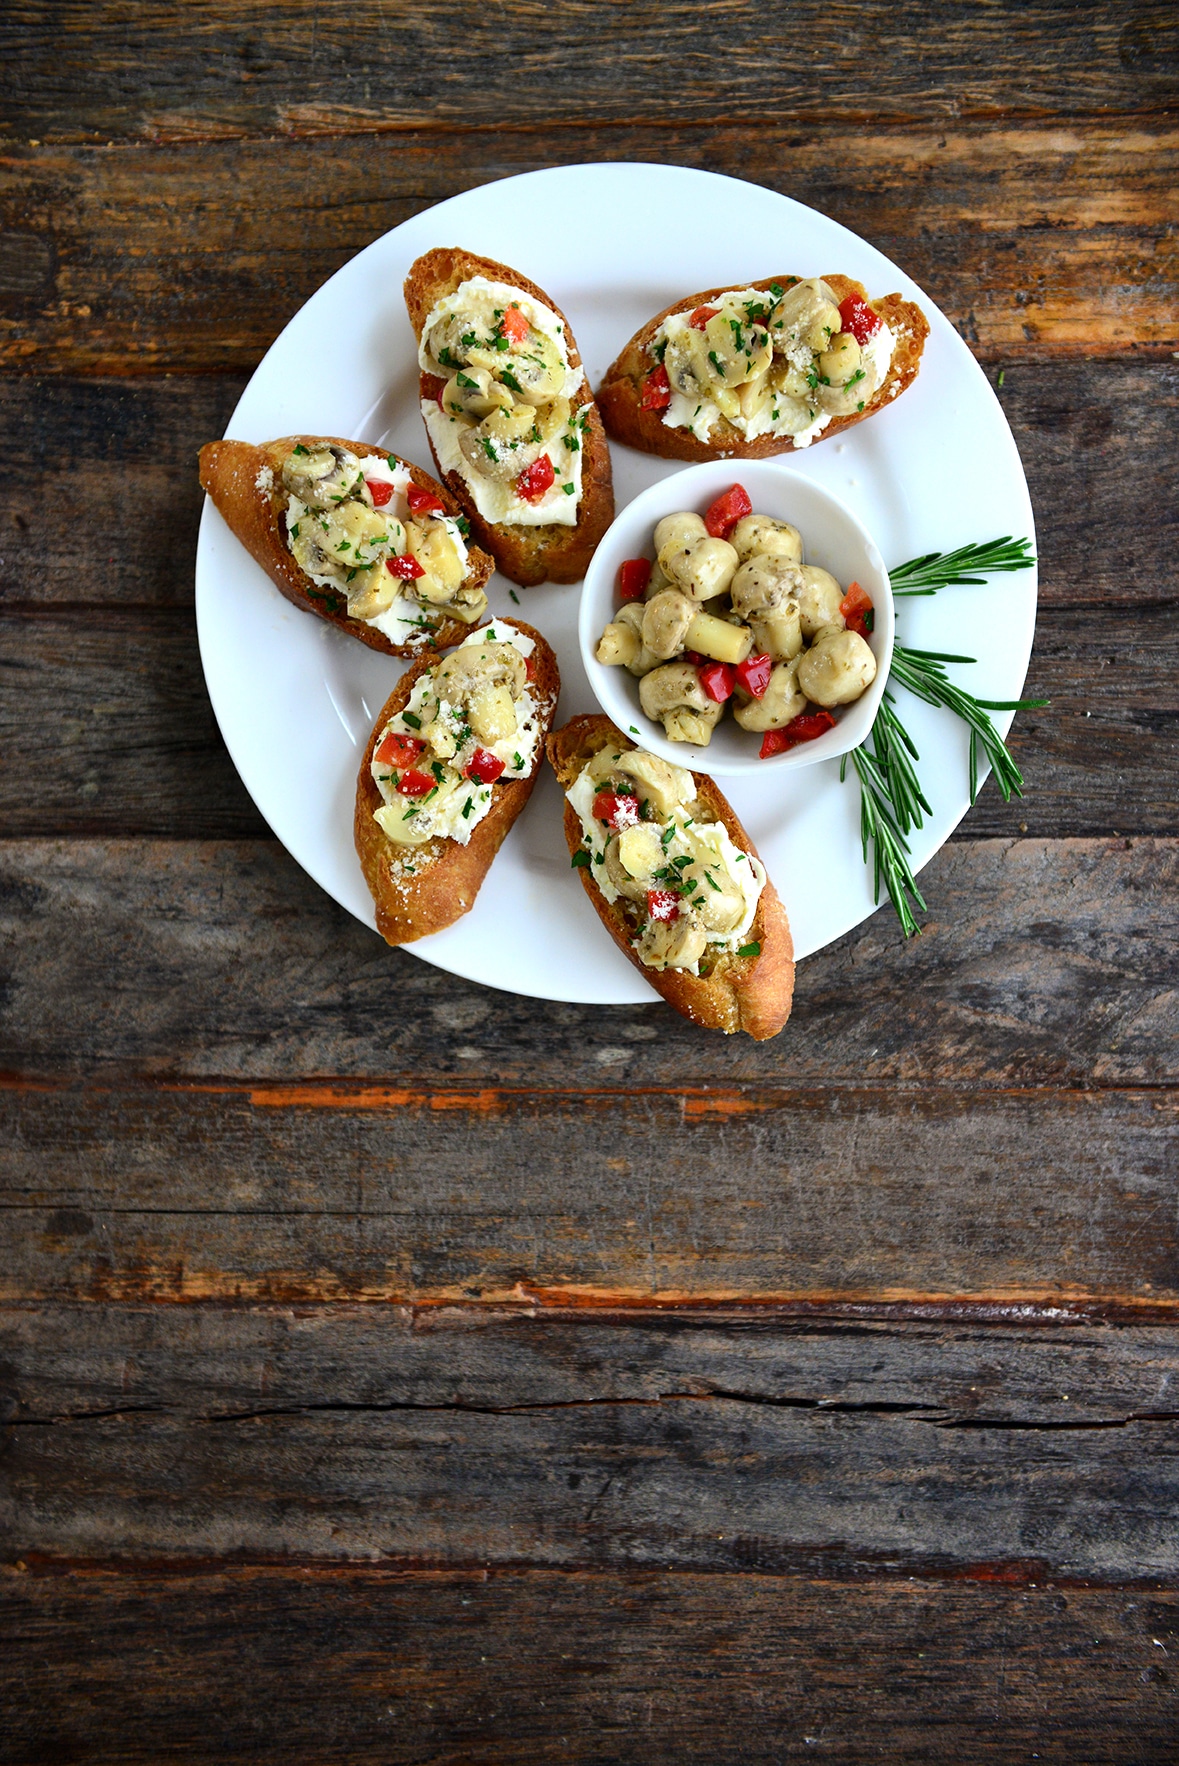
(447,876)
(621,390)
(527,555)
(229,473)
(753,993)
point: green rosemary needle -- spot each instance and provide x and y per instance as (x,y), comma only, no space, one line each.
(892,802)
(941,570)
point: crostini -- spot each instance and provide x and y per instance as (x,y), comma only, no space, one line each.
(761,370)
(513,426)
(675,880)
(450,764)
(348,531)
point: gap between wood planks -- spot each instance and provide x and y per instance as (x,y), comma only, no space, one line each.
(817,1563)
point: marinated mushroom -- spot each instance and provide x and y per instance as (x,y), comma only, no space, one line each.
(702,569)
(323,477)
(681,530)
(762,534)
(765,593)
(673,694)
(779,705)
(819,598)
(485,680)
(666,620)
(836,669)
(663,784)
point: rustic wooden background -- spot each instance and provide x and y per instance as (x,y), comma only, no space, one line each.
(397,1370)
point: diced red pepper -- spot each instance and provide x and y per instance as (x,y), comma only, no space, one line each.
(406,566)
(727,511)
(432,387)
(484,766)
(535,480)
(799,729)
(616,810)
(398,750)
(424,502)
(415,784)
(699,319)
(717,679)
(856,316)
(692,656)
(662,904)
(633,578)
(514,325)
(857,610)
(656,394)
(380,490)
(754,674)
(530,666)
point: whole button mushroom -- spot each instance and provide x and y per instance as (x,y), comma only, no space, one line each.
(764,592)
(756,534)
(673,694)
(836,669)
(779,705)
(819,596)
(703,569)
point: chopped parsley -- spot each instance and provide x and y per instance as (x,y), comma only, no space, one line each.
(518,762)
(300,449)
(570,490)
(514,596)
(750,950)
(407,717)
(581,859)
(465,380)
(467,807)
(509,379)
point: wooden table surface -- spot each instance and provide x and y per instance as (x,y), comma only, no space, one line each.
(397,1370)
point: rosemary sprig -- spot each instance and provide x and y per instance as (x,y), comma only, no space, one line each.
(923,672)
(942,570)
(878,828)
(892,802)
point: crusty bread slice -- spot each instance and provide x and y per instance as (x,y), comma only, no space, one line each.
(229,472)
(446,877)
(750,993)
(619,396)
(527,555)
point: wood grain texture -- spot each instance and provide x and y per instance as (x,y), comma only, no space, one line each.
(111,730)
(304,1194)
(1096,438)
(160,70)
(491,1667)
(1042,964)
(736,1450)
(1035,241)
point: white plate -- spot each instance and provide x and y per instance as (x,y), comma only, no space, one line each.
(612,244)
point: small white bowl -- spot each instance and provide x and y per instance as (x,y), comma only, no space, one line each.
(831,538)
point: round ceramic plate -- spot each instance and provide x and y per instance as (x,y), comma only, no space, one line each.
(612,244)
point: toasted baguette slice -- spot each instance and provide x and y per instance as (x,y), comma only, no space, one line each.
(620,394)
(750,993)
(551,553)
(234,474)
(446,877)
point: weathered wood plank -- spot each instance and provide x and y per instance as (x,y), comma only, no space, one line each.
(110,732)
(1097,440)
(156,70)
(1033,240)
(720,1458)
(76,1363)
(606,1667)
(292,1194)
(1042,963)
